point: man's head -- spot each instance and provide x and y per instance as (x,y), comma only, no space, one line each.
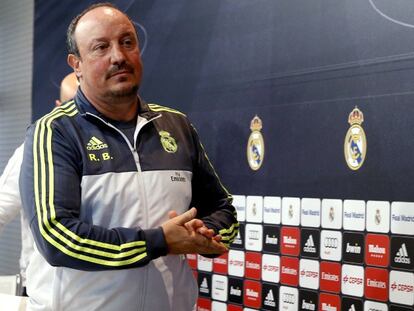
(104,53)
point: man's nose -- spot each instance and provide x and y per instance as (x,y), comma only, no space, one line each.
(117,55)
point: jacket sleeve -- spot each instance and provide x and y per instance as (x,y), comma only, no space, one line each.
(211,198)
(51,196)
(10,203)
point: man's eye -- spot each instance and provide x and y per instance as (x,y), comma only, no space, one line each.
(100,47)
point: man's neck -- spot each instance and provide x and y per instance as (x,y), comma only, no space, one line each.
(118,109)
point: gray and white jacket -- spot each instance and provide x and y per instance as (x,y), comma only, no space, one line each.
(95,203)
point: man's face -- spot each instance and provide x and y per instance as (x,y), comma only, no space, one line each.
(109,66)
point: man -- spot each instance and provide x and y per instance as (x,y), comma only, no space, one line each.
(101,177)
(10,202)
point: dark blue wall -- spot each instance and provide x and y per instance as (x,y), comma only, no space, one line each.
(301,66)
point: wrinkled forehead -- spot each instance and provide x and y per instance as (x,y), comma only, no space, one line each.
(102,22)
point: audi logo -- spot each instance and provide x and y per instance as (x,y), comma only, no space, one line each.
(331,243)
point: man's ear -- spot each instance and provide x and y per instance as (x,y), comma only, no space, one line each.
(74,62)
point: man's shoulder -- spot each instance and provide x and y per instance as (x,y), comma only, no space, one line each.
(158,108)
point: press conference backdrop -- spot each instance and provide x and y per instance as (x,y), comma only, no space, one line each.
(302,67)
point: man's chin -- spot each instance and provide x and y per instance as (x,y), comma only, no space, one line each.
(123,92)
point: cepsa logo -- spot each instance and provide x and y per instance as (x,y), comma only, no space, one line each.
(236,263)
(290,241)
(204,264)
(377,250)
(309,273)
(252,294)
(376,284)
(353,280)
(330,277)
(402,287)
(270,268)
(289,268)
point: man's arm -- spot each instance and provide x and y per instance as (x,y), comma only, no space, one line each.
(51,196)
(212,200)
(10,203)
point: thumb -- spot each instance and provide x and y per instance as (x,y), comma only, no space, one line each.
(185,217)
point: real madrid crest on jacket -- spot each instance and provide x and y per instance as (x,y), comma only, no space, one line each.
(355,146)
(255,145)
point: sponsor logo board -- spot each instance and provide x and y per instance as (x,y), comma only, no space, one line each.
(310,213)
(402,253)
(377,251)
(330,276)
(254,209)
(331,245)
(309,273)
(310,242)
(354,217)
(375,306)
(239,203)
(204,284)
(220,264)
(272,210)
(351,304)
(353,247)
(254,237)
(291,211)
(235,290)
(236,263)
(328,302)
(378,216)
(290,241)
(271,268)
(253,265)
(352,280)
(270,297)
(219,287)
(376,284)
(288,298)
(402,287)
(402,218)
(271,239)
(308,300)
(252,294)
(331,214)
(289,271)
(204,264)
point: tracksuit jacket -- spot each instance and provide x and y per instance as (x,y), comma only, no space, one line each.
(95,203)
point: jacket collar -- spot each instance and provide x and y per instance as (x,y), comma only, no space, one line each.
(85,107)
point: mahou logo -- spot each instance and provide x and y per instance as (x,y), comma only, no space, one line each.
(252,294)
(376,284)
(377,250)
(289,271)
(329,302)
(203,304)
(290,244)
(402,287)
(330,276)
(353,280)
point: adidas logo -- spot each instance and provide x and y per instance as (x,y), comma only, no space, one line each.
(204,287)
(270,299)
(402,255)
(352,308)
(310,245)
(95,144)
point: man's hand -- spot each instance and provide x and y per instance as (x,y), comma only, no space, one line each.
(198,226)
(182,236)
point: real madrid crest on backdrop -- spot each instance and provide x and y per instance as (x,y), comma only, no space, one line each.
(355,146)
(255,145)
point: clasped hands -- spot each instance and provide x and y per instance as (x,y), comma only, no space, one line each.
(185,234)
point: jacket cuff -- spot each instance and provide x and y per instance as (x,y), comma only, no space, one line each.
(156,245)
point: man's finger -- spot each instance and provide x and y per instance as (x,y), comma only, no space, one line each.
(172,214)
(186,217)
